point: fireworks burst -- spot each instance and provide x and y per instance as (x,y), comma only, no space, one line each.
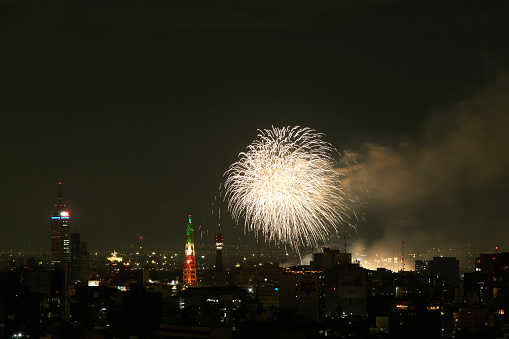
(286,186)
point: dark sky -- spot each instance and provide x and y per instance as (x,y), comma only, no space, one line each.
(139,107)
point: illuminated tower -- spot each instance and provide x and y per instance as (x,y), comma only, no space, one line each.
(190,260)
(60,238)
(219,251)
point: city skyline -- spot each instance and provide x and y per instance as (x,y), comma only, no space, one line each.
(141,127)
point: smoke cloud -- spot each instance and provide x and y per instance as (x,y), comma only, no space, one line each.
(448,187)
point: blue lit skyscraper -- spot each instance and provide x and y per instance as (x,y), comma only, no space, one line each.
(60,236)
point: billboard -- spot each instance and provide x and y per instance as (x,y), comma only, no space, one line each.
(308,285)
(352,284)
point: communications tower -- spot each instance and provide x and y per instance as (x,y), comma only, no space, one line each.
(190,259)
(219,251)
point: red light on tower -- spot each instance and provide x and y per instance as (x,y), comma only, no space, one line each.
(219,241)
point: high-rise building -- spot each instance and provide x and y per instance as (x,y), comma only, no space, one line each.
(300,291)
(446,268)
(329,258)
(345,290)
(190,259)
(60,238)
(80,260)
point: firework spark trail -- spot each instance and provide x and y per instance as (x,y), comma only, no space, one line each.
(286,186)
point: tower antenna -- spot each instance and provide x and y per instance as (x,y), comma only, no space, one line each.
(59,205)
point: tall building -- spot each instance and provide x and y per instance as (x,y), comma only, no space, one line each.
(345,290)
(446,268)
(60,238)
(301,291)
(190,259)
(80,260)
(329,258)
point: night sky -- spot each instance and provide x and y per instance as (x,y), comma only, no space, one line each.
(139,107)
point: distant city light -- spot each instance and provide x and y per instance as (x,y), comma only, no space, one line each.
(114,257)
